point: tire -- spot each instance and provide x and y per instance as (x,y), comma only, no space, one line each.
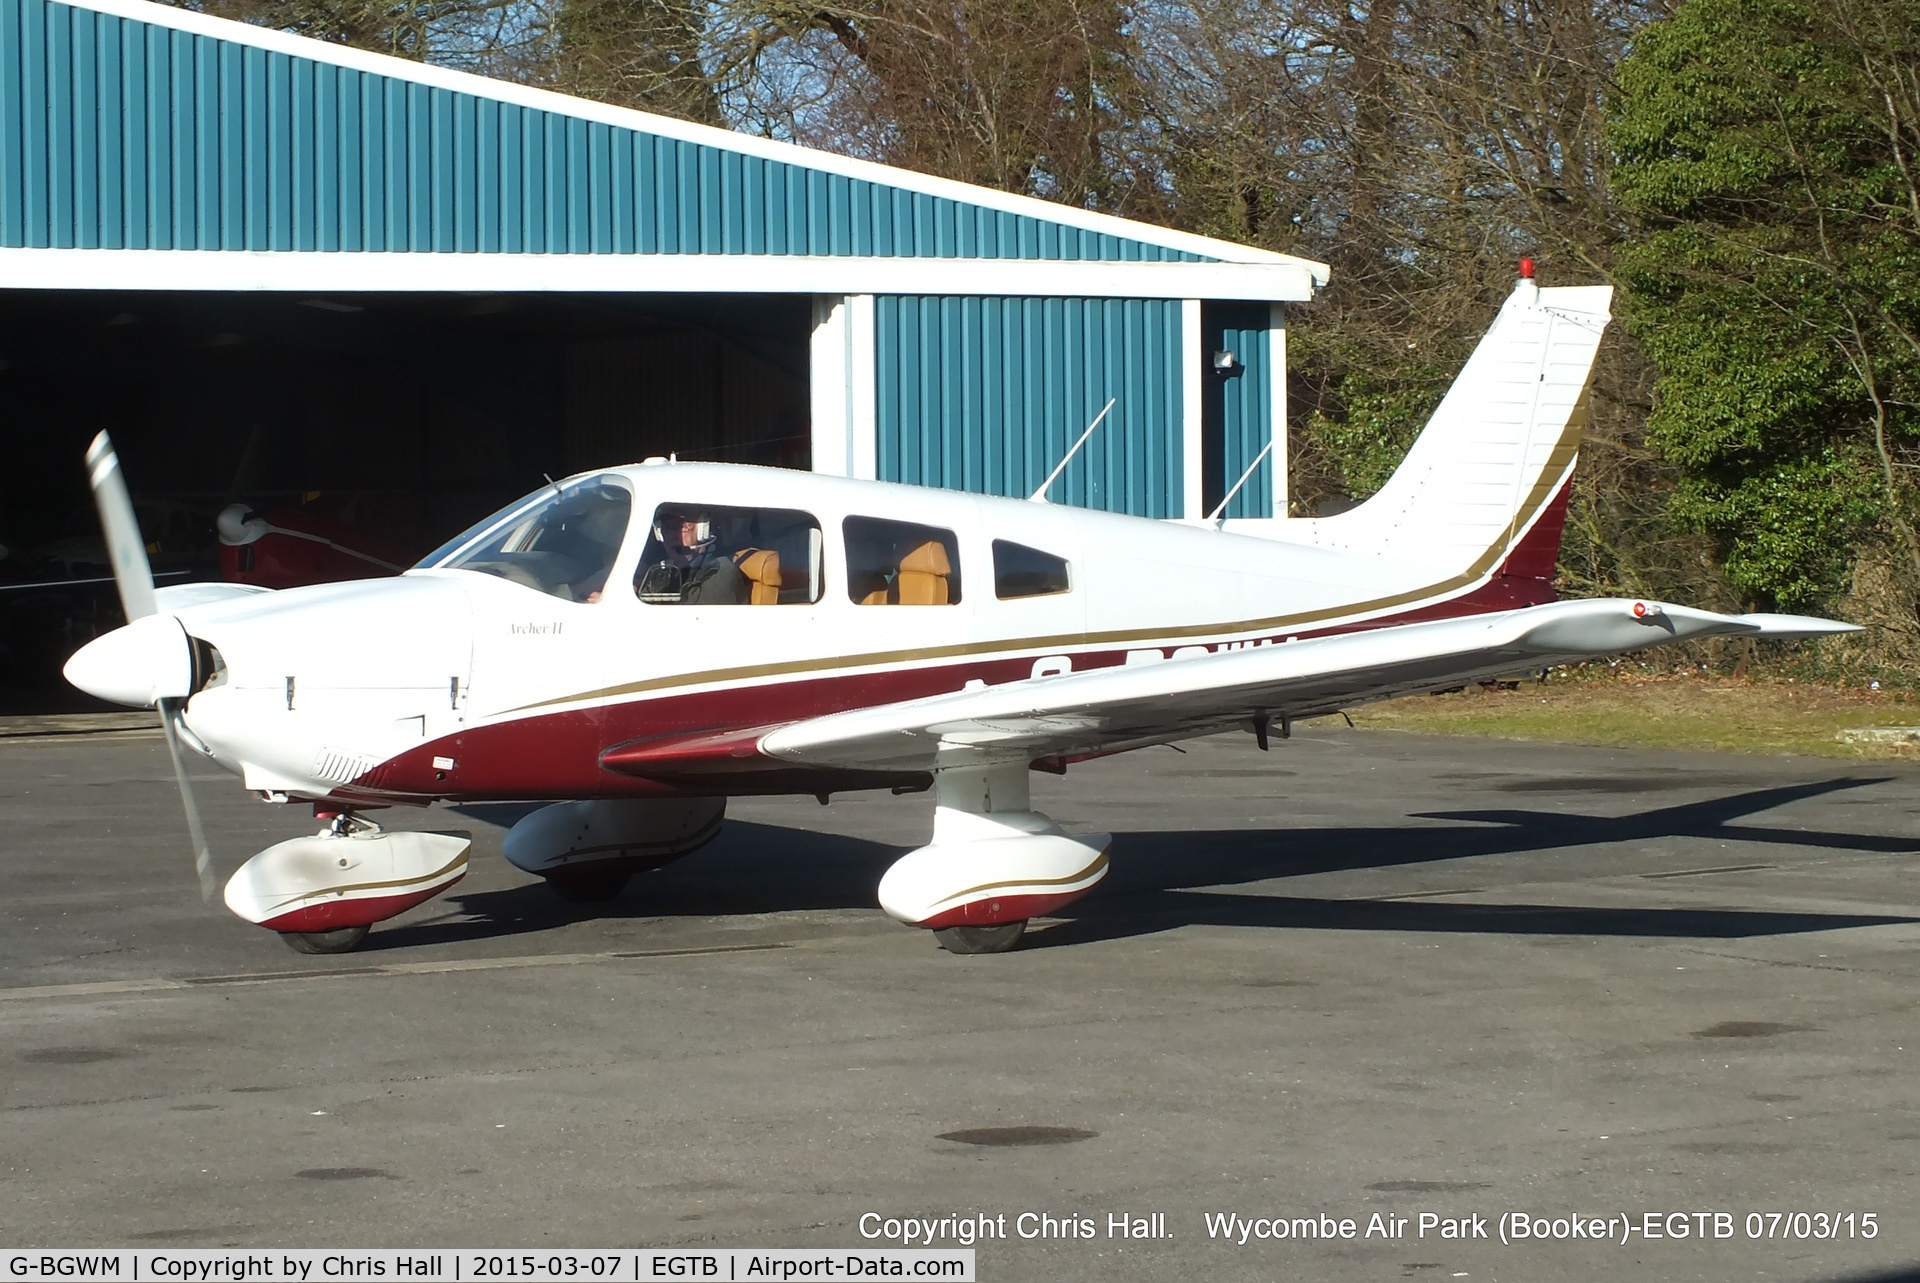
(996,939)
(591,883)
(338,940)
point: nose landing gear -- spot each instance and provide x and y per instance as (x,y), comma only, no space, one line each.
(342,940)
(322,893)
(981,939)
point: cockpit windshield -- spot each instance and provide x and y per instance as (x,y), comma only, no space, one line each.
(561,540)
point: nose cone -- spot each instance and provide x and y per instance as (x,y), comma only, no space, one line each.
(148,660)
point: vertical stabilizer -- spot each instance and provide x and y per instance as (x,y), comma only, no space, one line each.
(1494,461)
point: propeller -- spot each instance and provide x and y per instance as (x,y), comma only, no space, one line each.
(133,576)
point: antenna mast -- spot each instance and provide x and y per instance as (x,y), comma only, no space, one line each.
(1258,459)
(1040,495)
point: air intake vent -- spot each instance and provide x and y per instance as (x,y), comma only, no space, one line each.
(337,766)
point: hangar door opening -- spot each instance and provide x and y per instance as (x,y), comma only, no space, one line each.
(387,421)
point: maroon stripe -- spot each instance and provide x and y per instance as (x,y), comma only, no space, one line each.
(331,915)
(989,911)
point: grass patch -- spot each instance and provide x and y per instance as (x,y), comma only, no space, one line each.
(1727,714)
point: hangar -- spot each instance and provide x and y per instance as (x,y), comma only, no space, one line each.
(278,269)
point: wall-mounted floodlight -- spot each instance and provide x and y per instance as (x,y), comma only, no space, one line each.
(1226,363)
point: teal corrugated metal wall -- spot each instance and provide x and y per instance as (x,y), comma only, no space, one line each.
(987,394)
(1243,414)
(118,134)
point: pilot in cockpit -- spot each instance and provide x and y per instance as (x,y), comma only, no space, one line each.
(684,563)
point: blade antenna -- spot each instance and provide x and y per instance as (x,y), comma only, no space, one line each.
(1040,495)
(1258,459)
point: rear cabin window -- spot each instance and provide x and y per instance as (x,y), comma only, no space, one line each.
(898,563)
(1020,571)
(703,554)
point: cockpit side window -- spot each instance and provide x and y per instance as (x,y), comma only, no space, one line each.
(703,554)
(1020,571)
(561,541)
(899,563)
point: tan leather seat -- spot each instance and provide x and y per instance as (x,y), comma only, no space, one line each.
(922,580)
(761,566)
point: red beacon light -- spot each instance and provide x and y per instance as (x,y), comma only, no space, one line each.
(1526,269)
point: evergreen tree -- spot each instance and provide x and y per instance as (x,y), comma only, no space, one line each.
(1769,146)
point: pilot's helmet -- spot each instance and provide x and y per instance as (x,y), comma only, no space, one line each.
(667,524)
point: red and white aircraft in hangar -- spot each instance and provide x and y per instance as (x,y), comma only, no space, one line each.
(637,644)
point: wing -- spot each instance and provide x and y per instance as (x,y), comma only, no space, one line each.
(1111,709)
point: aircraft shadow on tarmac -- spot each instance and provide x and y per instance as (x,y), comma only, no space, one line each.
(1163,880)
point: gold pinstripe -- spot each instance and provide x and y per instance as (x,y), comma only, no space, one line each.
(1099,863)
(455,863)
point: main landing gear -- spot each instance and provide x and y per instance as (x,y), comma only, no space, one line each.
(587,851)
(994,862)
(322,893)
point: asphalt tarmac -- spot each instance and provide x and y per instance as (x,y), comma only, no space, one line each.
(1363,974)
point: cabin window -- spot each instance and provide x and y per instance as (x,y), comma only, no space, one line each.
(561,540)
(898,563)
(1020,571)
(704,554)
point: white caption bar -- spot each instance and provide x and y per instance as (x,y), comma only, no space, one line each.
(465,1265)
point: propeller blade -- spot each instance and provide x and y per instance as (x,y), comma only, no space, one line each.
(127,551)
(202,856)
(133,575)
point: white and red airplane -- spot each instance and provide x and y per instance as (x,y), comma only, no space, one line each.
(637,644)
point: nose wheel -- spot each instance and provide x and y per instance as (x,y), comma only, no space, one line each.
(994,939)
(341,940)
